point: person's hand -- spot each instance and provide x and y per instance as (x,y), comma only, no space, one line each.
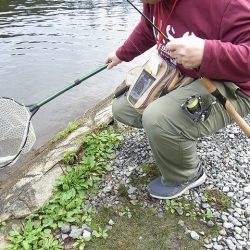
(187,51)
(112,60)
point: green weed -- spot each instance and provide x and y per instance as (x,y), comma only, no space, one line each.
(69,157)
(180,207)
(70,191)
(208,215)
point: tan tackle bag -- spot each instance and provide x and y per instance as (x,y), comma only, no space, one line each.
(152,80)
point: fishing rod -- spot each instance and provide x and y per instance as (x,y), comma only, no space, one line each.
(149,21)
(210,86)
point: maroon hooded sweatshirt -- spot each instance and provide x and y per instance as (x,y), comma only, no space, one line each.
(224,24)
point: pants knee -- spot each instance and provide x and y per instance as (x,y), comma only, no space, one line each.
(152,121)
(159,121)
(116,109)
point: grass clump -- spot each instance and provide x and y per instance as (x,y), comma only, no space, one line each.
(123,191)
(218,200)
(63,134)
(40,229)
(69,157)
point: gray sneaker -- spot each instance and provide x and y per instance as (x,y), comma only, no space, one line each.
(162,191)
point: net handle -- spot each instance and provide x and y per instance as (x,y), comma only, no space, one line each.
(35,107)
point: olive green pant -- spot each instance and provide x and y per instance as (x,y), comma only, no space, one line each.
(172,133)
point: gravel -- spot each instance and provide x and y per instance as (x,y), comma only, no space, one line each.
(226,160)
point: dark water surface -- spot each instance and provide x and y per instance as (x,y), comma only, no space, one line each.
(46,44)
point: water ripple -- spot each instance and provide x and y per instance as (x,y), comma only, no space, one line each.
(45,43)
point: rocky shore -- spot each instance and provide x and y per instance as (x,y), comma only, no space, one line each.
(226,159)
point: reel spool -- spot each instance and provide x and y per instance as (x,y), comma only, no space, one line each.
(196,108)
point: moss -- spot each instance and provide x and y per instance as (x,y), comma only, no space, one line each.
(63,134)
(151,172)
(147,231)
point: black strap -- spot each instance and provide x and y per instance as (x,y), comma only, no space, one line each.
(222,99)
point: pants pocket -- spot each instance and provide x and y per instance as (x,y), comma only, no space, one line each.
(231,89)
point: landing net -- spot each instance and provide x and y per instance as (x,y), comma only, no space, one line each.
(17,134)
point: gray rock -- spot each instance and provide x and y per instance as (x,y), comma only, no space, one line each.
(86,234)
(224,218)
(245,230)
(207,241)
(216,246)
(247,212)
(132,196)
(226,189)
(208,246)
(223,232)
(234,221)
(132,190)
(239,210)
(246,202)
(230,244)
(228,225)
(65,228)
(107,189)
(86,227)
(242,242)
(65,236)
(230,194)
(205,205)
(238,230)
(75,232)
(129,215)
(216,214)
(194,235)
(111,222)
(181,223)
(237,237)
(179,210)
(210,223)
(219,238)
(247,189)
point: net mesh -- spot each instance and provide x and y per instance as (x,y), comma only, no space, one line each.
(16,131)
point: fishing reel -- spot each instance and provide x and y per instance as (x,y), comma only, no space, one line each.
(196,108)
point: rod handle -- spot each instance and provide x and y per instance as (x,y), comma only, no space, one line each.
(237,118)
(210,86)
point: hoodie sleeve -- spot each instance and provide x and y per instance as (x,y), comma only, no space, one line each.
(140,40)
(229,57)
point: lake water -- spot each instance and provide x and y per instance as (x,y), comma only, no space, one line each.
(47,44)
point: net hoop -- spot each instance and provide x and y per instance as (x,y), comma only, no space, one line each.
(20,137)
